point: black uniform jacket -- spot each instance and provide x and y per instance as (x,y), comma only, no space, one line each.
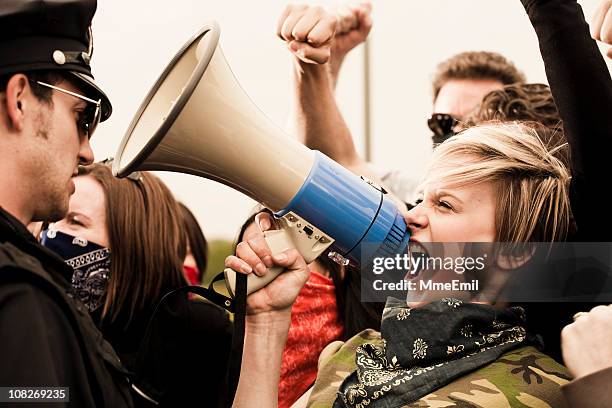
(46,338)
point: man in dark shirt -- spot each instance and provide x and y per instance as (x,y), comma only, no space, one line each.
(49,108)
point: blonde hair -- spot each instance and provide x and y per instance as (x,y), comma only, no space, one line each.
(531,181)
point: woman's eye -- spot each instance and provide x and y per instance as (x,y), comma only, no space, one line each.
(445,205)
(75,221)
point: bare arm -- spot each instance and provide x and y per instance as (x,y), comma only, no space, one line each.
(320,124)
(319,40)
(268,317)
(264,342)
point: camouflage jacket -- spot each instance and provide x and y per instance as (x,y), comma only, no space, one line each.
(523,377)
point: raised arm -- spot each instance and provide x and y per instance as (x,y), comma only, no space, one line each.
(353,28)
(268,316)
(581,86)
(319,40)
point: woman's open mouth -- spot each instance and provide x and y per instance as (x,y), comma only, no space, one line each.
(417,259)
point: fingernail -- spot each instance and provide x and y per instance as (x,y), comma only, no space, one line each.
(280,257)
(260,268)
(246,269)
(268,261)
(264,224)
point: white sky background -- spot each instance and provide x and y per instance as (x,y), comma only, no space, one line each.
(135,39)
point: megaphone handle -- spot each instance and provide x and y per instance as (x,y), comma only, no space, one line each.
(254,282)
(280,240)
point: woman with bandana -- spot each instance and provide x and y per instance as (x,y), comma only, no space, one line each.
(449,352)
(126,243)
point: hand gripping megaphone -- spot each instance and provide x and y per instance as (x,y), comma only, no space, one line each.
(197,120)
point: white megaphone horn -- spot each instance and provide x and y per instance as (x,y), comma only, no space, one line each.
(197,120)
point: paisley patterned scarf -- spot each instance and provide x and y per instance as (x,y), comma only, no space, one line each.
(90,263)
(426,348)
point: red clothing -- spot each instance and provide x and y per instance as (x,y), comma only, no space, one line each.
(314,324)
(192,274)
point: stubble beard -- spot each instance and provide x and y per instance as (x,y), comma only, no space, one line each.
(51,192)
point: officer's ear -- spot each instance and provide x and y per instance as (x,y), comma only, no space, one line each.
(17,88)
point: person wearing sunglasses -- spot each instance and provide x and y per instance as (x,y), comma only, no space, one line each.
(49,109)
(320,40)
(583,93)
(443,126)
(88,117)
(460,83)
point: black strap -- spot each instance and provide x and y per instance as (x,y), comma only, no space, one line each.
(235,362)
(236,306)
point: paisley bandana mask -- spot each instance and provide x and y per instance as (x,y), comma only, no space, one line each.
(90,263)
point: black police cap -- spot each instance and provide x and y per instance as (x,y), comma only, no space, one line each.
(50,35)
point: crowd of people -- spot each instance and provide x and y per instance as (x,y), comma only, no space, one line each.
(88,284)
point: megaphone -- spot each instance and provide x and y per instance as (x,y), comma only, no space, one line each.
(198,120)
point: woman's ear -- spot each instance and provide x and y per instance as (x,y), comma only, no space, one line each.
(15,103)
(512,256)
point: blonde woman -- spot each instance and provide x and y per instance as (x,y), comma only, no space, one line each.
(499,166)
(492,183)
(540,185)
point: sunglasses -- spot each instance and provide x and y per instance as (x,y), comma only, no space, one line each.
(91,115)
(442,125)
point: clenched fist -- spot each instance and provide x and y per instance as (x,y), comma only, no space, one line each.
(308,31)
(601,24)
(315,35)
(586,343)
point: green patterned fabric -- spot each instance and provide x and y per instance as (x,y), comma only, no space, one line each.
(428,347)
(334,369)
(523,377)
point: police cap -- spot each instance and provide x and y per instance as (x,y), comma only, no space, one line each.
(40,35)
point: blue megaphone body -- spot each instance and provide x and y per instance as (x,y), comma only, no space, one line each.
(363,221)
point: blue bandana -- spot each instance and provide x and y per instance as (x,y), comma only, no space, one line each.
(89,261)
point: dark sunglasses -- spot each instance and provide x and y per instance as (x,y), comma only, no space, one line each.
(90,117)
(442,125)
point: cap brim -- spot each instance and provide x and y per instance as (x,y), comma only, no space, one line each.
(95,92)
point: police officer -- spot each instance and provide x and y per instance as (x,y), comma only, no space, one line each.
(49,108)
